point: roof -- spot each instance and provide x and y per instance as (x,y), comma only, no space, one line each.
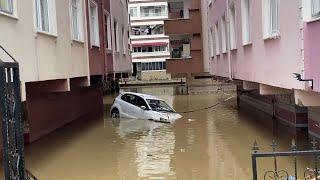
(145,96)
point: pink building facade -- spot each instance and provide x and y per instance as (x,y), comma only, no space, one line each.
(263,43)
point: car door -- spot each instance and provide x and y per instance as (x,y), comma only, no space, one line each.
(128,106)
(139,112)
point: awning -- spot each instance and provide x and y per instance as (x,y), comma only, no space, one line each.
(150,44)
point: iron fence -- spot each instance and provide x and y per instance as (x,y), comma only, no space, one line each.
(276,173)
(12,125)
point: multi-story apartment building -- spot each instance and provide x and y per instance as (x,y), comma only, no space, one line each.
(58,45)
(150,46)
(263,43)
(187,30)
(108,40)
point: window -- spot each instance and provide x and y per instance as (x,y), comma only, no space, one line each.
(147,11)
(133,11)
(153,66)
(6,6)
(45,16)
(116,35)
(211,45)
(233,38)
(217,39)
(94,26)
(315,8)
(147,49)
(77,20)
(124,46)
(271,18)
(108,31)
(223,34)
(246,21)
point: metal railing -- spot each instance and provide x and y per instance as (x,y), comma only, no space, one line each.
(276,173)
(12,125)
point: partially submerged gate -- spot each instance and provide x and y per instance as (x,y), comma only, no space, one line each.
(12,125)
(283,173)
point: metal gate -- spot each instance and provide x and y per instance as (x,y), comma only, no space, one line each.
(278,173)
(12,125)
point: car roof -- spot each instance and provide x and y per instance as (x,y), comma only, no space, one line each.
(145,96)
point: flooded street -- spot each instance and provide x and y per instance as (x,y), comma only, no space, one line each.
(209,144)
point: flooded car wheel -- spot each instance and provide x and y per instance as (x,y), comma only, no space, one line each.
(115,113)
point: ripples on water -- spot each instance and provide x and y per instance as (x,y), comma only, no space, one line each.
(210,144)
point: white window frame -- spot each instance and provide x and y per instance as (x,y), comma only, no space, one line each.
(271,27)
(77,32)
(134,9)
(51,13)
(315,9)
(124,46)
(246,12)
(217,39)
(211,41)
(94,25)
(10,9)
(233,26)
(109,31)
(224,34)
(116,33)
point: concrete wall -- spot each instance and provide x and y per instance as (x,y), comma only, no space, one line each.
(49,111)
(264,60)
(121,61)
(154,75)
(42,56)
(97,57)
(312,52)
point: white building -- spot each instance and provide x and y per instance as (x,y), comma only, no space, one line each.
(150,47)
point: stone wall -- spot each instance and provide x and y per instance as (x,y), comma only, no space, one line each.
(155,75)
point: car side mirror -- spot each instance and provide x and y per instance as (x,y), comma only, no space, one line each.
(143,107)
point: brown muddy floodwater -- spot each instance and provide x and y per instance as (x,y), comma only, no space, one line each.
(211,144)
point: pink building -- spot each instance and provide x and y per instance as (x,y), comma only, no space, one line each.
(262,43)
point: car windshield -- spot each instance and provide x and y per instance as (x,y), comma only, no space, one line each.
(159,105)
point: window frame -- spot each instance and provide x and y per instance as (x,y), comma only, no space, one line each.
(51,13)
(11,10)
(94,37)
(224,33)
(233,26)
(313,14)
(246,17)
(80,18)
(270,32)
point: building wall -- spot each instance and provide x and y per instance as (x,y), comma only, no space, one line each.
(121,61)
(154,75)
(312,52)
(41,56)
(264,60)
(97,54)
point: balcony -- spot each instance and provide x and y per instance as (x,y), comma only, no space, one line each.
(180,23)
(186,65)
(184,26)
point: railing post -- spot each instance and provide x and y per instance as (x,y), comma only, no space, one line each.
(254,167)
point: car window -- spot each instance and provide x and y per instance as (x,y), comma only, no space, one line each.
(129,98)
(140,102)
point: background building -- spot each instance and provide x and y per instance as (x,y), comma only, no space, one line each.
(150,46)
(188,34)
(262,44)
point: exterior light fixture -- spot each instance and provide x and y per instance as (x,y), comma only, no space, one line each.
(298,77)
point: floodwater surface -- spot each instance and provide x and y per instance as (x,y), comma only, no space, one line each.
(208,144)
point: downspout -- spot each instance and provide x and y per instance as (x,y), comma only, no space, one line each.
(229,41)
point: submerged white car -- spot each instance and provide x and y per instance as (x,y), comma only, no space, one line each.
(142,106)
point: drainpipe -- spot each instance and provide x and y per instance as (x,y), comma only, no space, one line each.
(229,41)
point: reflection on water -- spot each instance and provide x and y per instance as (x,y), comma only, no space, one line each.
(209,144)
